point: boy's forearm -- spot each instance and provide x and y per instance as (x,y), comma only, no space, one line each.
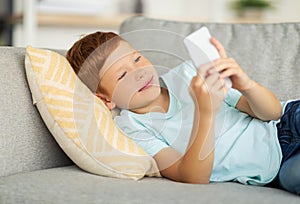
(196,164)
(263,103)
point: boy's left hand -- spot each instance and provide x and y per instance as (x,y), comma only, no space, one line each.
(228,67)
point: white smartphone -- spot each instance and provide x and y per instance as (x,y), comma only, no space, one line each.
(201,50)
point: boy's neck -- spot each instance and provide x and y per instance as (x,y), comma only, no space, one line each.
(162,103)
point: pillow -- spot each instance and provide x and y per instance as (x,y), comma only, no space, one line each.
(80,122)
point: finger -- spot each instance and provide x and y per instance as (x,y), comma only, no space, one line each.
(203,69)
(225,65)
(218,85)
(223,92)
(220,88)
(212,79)
(197,81)
(219,47)
(227,73)
(197,84)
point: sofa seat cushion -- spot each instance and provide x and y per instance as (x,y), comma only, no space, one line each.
(71,185)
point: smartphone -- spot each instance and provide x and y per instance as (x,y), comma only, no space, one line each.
(201,50)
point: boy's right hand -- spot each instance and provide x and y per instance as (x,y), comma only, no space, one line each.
(208,92)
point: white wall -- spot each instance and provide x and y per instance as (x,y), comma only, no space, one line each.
(287,10)
(52,37)
(183,9)
(188,10)
(217,10)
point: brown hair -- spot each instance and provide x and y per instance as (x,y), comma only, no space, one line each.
(88,55)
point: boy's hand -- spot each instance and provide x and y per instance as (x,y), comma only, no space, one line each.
(228,67)
(208,93)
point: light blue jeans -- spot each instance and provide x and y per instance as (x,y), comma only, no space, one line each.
(289,137)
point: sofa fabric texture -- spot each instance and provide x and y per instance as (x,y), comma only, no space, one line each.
(25,142)
(33,168)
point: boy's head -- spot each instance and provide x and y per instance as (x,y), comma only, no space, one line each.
(114,71)
(87,56)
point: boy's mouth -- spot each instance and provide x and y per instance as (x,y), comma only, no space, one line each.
(147,85)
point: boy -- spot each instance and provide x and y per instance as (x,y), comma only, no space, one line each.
(194,127)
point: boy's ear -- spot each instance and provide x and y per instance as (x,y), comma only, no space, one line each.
(109,104)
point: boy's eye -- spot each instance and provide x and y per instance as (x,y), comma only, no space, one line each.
(137,59)
(122,76)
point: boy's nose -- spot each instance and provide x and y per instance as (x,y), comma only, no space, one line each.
(140,75)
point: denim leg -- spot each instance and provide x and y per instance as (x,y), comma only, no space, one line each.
(289,138)
(289,174)
(289,130)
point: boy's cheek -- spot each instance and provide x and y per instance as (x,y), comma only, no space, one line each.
(123,94)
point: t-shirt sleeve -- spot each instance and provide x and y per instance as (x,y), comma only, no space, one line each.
(140,135)
(232,98)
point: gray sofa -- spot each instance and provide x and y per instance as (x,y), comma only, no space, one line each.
(33,168)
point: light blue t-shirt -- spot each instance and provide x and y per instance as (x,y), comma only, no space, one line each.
(246,149)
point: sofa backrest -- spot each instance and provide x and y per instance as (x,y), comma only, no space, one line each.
(25,142)
(269,53)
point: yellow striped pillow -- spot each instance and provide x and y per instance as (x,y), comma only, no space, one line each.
(80,122)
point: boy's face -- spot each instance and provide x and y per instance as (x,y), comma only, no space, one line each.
(128,79)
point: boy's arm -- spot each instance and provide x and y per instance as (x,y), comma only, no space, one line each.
(195,166)
(260,102)
(256,100)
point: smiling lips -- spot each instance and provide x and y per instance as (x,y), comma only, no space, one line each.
(147,85)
